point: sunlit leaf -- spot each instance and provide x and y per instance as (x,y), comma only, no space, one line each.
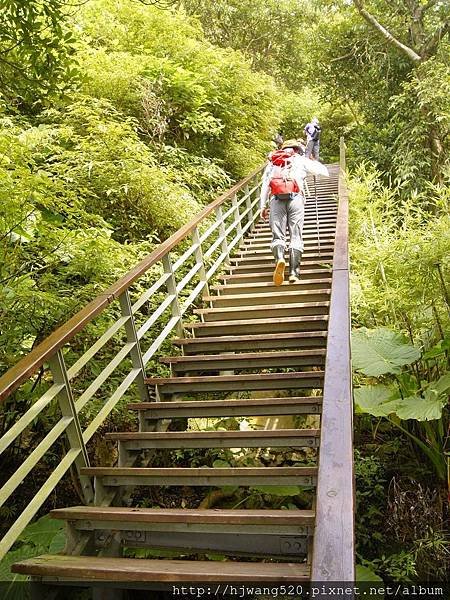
(376,352)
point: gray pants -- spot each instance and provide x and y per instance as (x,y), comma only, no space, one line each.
(290,214)
(312,147)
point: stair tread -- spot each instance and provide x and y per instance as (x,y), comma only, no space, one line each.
(250,337)
(256,307)
(271,322)
(293,287)
(91,568)
(241,435)
(250,259)
(270,273)
(243,356)
(293,401)
(229,378)
(184,515)
(268,265)
(267,295)
(199,471)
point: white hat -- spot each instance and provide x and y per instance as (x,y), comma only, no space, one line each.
(314,120)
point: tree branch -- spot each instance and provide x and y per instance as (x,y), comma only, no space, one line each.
(409,52)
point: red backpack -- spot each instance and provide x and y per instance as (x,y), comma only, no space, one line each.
(281,181)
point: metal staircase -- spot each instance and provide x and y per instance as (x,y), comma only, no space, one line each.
(253,350)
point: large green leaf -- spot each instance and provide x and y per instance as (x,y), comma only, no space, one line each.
(439,388)
(428,408)
(376,352)
(365,574)
(415,407)
(42,532)
(371,398)
(380,401)
(9,559)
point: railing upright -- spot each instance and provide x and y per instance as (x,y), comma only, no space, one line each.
(200,262)
(73,430)
(237,215)
(171,285)
(223,237)
(132,338)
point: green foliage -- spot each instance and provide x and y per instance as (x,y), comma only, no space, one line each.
(370,480)
(382,401)
(366,574)
(269,32)
(399,567)
(409,400)
(400,106)
(422,113)
(37,48)
(45,535)
(380,351)
(183,90)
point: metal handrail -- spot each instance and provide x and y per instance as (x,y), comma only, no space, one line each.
(184,280)
(333,552)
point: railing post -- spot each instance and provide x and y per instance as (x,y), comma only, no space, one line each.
(342,161)
(74,433)
(237,215)
(135,353)
(200,261)
(172,290)
(248,204)
(219,218)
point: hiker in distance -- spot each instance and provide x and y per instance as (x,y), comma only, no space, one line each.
(284,182)
(313,131)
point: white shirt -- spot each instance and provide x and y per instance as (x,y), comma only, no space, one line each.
(300,167)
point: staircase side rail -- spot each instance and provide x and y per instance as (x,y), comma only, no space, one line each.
(82,382)
(333,552)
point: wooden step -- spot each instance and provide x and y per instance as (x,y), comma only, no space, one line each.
(266,277)
(139,570)
(228,383)
(310,223)
(274,533)
(260,311)
(148,516)
(245,360)
(311,240)
(266,238)
(279,438)
(313,244)
(265,341)
(278,325)
(310,245)
(315,261)
(249,407)
(250,288)
(325,255)
(287,293)
(264,243)
(202,476)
